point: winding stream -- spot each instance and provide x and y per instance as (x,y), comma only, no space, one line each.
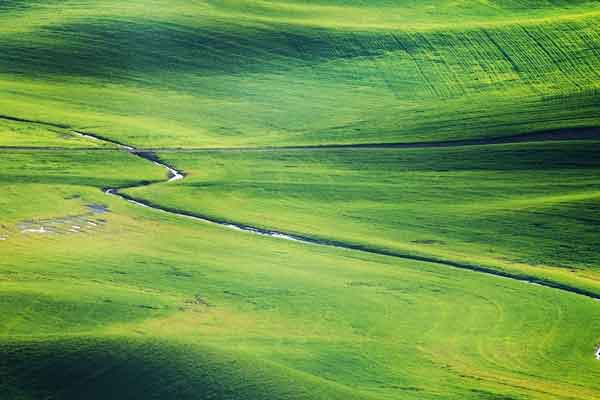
(173,174)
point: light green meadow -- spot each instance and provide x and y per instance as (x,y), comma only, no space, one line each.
(104,299)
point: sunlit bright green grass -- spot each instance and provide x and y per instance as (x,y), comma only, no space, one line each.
(114,301)
(18,134)
(231,73)
(172,308)
(516,207)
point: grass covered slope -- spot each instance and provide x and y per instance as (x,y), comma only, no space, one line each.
(232,73)
(515,207)
(104,299)
(147,305)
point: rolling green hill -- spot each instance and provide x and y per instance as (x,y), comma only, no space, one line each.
(460,265)
(234,73)
(513,207)
(141,304)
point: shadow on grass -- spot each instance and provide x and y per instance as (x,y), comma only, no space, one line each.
(131,368)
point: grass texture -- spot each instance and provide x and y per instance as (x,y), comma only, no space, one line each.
(104,299)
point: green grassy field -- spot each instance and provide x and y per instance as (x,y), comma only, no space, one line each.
(104,299)
(512,207)
(172,308)
(231,73)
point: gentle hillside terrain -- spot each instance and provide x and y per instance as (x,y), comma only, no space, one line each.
(512,207)
(171,308)
(324,199)
(231,73)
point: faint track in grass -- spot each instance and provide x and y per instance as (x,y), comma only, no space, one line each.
(173,174)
